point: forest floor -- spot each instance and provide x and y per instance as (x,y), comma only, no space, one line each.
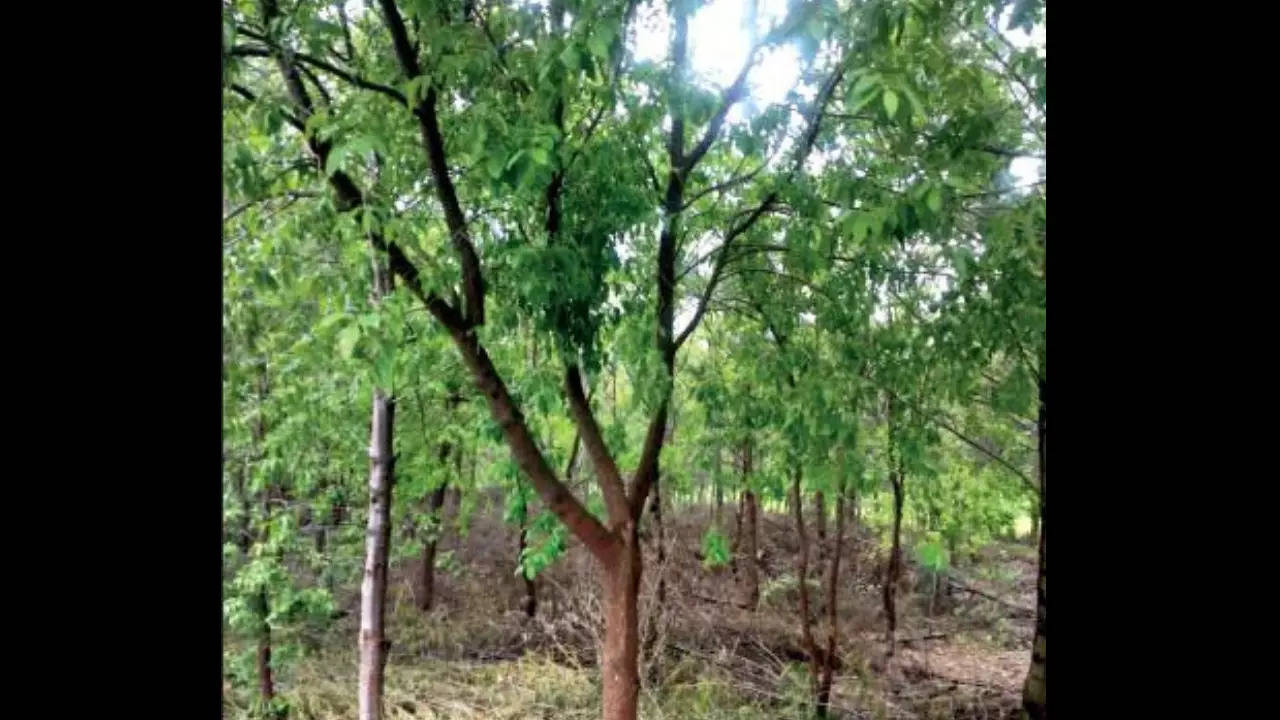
(476,655)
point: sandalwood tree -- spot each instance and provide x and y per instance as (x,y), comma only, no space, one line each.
(565,211)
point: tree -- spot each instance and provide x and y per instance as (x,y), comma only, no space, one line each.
(521,178)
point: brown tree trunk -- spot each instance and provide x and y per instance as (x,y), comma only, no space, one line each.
(434,529)
(802,575)
(266,686)
(735,543)
(620,672)
(833,617)
(719,490)
(660,594)
(1033,690)
(895,557)
(322,532)
(266,683)
(530,602)
(820,524)
(750,570)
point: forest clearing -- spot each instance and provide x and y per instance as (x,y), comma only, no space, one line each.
(621,359)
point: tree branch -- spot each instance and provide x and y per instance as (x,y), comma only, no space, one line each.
(647,470)
(610,480)
(723,186)
(732,95)
(811,135)
(455,219)
(716,271)
(291,195)
(290,118)
(330,68)
(598,539)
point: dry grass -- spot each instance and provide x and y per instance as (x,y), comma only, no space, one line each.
(476,656)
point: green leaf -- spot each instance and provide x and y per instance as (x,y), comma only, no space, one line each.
(932,556)
(890,102)
(934,199)
(600,41)
(569,57)
(333,163)
(347,340)
(715,549)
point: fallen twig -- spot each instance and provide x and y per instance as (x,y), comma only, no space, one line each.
(1030,612)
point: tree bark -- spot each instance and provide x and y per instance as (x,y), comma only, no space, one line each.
(895,556)
(820,524)
(750,571)
(620,672)
(373,590)
(266,685)
(660,594)
(262,603)
(530,602)
(802,580)
(719,490)
(431,538)
(1033,690)
(735,543)
(833,616)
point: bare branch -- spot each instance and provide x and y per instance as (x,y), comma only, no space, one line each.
(292,196)
(732,95)
(719,267)
(723,186)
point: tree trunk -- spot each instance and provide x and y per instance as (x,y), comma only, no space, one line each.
(266,686)
(373,590)
(660,594)
(735,542)
(1033,690)
(719,490)
(322,535)
(820,524)
(530,602)
(833,617)
(266,683)
(620,671)
(434,529)
(895,557)
(750,571)
(802,575)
